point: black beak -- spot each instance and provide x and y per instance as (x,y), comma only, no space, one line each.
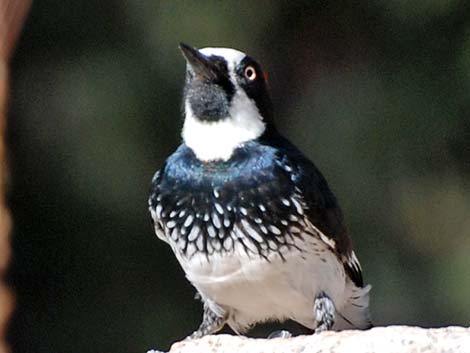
(200,64)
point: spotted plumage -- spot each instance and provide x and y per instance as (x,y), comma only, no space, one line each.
(251,220)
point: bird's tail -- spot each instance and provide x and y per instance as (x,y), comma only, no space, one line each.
(355,313)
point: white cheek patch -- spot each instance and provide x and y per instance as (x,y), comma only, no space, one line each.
(217,140)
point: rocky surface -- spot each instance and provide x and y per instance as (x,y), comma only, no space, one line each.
(391,339)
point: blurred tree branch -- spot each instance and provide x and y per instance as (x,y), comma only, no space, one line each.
(12,15)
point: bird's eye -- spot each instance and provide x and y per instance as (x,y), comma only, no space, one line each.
(250,73)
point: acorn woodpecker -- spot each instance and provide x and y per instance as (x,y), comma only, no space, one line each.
(251,220)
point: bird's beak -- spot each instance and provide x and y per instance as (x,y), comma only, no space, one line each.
(200,64)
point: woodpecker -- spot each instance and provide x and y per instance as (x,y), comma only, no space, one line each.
(251,220)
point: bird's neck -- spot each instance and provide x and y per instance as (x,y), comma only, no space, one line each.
(218,140)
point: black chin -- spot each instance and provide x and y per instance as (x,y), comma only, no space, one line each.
(208,102)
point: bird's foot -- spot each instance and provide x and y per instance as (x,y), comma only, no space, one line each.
(280,334)
(324,311)
(211,321)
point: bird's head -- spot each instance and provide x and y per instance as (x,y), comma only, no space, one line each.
(226,101)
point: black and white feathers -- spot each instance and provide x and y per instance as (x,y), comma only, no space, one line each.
(251,220)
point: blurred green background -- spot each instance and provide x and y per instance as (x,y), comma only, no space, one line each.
(377,93)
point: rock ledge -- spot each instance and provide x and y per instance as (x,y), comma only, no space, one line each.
(391,339)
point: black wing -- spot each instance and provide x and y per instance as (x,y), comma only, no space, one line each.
(153,204)
(323,208)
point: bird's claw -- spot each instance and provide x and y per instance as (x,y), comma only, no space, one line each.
(280,334)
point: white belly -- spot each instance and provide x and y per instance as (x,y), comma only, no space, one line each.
(254,289)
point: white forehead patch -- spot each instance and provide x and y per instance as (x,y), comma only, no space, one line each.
(232,56)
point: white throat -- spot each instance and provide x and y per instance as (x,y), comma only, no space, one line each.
(218,140)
